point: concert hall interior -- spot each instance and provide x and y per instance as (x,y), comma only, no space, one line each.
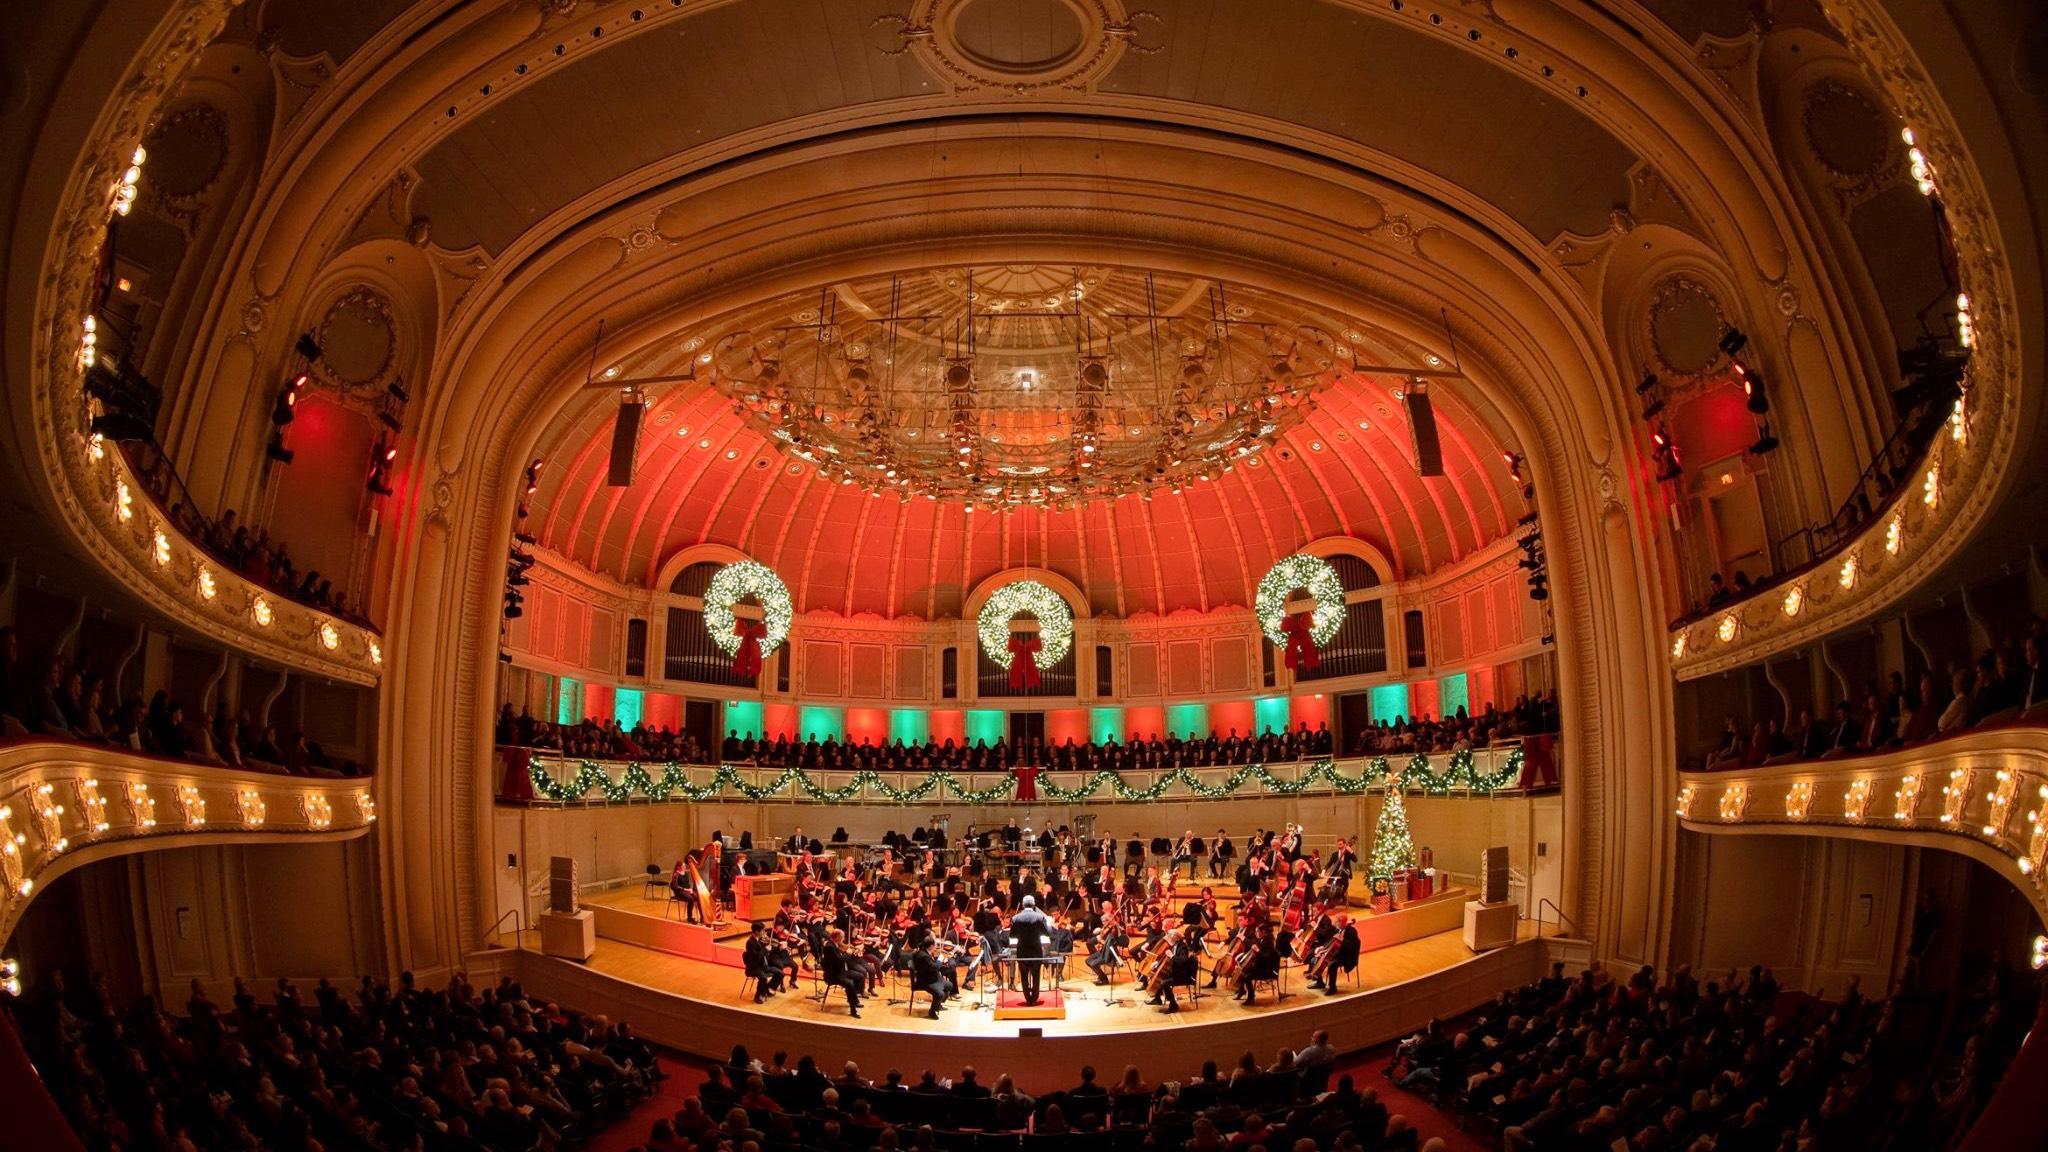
(826,575)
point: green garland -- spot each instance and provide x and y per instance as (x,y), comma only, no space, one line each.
(1460,772)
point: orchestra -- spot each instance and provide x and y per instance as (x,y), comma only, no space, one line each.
(1007,908)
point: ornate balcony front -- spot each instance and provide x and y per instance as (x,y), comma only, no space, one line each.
(63,805)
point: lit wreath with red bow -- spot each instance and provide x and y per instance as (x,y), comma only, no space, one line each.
(745,639)
(1042,649)
(1298,628)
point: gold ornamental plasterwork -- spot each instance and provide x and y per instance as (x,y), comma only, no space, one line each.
(102,502)
(932,31)
(1953,488)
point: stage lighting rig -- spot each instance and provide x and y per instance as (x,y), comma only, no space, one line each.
(1653,400)
(1664,453)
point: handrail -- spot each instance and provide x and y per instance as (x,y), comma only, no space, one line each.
(514,914)
(1543,902)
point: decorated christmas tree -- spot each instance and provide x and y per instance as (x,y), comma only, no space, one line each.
(1391,846)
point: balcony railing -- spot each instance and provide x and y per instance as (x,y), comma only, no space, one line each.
(1983,793)
(558,780)
(64,804)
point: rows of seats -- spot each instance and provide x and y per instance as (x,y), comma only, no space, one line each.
(1684,1065)
(389,1068)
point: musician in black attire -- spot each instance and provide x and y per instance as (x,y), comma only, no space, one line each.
(843,969)
(681,888)
(1344,961)
(767,962)
(988,924)
(1110,942)
(1134,857)
(1220,855)
(1264,964)
(927,976)
(1030,928)
(1183,964)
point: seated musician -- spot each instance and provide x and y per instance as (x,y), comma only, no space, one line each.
(988,924)
(1264,964)
(926,975)
(768,963)
(1110,942)
(843,970)
(1182,966)
(1221,855)
(1013,837)
(1337,870)
(1062,944)
(681,887)
(1341,956)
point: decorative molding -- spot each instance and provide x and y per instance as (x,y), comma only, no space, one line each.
(1983,793)
(98,498)
(65,805)
(1912,537)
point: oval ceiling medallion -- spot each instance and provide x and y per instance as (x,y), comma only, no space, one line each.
(1846,130)
(357,338)
(1685,326)
(1021,45)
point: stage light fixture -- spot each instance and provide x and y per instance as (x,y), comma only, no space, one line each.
(307,346)
(1733,342)
(397,391)
(1753,387)
(277,451)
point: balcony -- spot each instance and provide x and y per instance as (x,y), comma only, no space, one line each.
(557,780)
(1983,793)
(64,804)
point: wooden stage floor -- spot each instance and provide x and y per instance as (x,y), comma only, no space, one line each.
(1087,1012)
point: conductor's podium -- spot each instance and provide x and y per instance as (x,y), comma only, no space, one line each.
(1052,1005)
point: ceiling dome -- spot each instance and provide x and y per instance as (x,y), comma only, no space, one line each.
(1158,438)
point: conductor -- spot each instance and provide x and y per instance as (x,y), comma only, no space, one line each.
(1030,928)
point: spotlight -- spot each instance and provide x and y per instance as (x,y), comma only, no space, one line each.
(397,391)
(287,399)
(307,346)
(1753,387)
(526,538)
(1733,341)
(277,451)
(1766,443)
(518,579)
(1649,382)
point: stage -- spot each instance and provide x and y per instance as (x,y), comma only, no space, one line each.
(695,1004)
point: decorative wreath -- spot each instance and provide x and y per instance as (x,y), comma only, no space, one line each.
(1055,622)
(747,578)
(1301,571)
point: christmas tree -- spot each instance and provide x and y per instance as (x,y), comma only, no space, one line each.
(1391,846)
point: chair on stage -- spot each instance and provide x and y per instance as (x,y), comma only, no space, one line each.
(1194,986)
(654,881)
(677,906)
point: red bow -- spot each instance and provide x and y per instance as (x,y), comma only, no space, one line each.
(746,662)
(1301,647)
(1024,648)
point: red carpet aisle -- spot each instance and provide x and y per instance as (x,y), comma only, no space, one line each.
(683,1078)
(685,1074)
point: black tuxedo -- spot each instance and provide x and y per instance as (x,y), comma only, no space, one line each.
(1029,927)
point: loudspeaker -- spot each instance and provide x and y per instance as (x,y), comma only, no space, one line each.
(1493,876)
(625,443)
(562,885)
(1429,457)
